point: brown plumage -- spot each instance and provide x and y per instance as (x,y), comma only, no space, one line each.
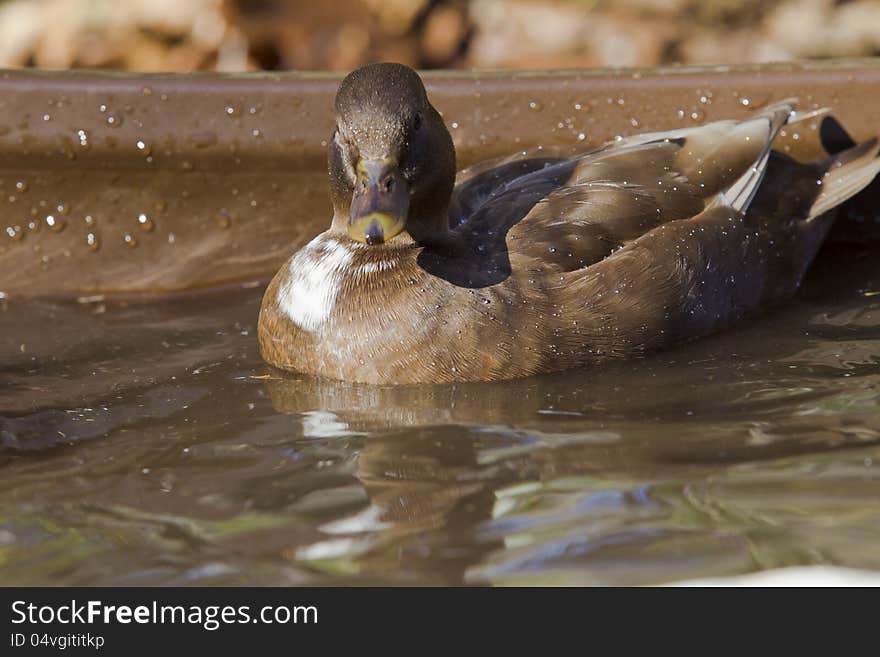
(531,265)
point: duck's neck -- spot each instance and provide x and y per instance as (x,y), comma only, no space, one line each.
(430,230)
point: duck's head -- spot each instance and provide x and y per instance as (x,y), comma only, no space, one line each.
(392,162)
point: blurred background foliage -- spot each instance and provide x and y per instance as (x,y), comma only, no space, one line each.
(248,35)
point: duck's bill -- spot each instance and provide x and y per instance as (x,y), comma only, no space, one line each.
(376,228)
(380,204)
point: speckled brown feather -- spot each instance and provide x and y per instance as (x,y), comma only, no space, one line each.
(556,263)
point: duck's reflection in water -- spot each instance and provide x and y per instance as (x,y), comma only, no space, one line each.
(420,471)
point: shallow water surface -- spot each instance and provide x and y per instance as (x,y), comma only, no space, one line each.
(146,443)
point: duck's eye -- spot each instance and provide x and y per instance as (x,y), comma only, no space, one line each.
(417,121)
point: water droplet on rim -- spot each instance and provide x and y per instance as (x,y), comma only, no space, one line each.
(15,233)
(223,219)
(145,222)
(55,224)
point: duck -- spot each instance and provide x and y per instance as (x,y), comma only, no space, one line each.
(534,264)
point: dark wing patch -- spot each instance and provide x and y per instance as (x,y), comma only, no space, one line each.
(482,183)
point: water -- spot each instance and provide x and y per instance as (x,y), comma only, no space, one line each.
(146,443)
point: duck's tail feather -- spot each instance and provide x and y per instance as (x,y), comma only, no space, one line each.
(846,174)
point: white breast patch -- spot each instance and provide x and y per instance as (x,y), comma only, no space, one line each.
(316,274)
